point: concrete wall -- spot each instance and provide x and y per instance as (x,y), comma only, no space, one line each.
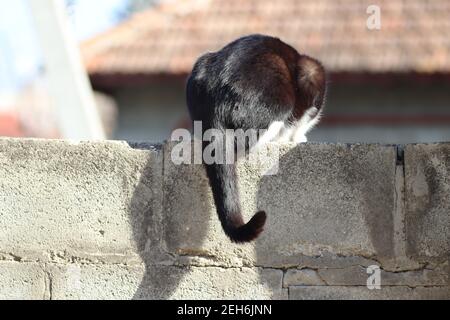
(113,220)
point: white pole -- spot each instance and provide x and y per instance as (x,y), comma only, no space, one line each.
(69,85)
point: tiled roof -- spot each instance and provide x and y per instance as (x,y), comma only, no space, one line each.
(166,40)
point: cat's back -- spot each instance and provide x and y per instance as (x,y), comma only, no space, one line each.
(255,70)
(249,55)
(255,54)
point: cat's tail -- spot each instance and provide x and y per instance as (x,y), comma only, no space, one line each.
(223,181)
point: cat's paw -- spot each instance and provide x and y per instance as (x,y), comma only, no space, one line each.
(299,138)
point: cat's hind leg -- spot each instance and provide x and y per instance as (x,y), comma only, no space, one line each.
(299,137)
(309,119)
(286,134)
(272,133)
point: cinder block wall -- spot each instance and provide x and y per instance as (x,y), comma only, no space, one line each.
(113,220)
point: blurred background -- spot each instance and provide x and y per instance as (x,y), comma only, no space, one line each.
(116,69)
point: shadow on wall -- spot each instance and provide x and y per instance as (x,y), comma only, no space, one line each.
(329,206)
(157,234)
(332,199)
(325,200)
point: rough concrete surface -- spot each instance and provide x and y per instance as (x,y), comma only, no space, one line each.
(117,220)
(357,276)
(61,200)
(427,169)
(362,293)
(325,199)
(122,282)
(22,281)
(303,277)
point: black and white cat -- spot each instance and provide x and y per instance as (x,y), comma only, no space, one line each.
(255,82)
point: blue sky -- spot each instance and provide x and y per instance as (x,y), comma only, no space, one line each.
(19,49)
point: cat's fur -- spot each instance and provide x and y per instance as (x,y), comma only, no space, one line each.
(255,82)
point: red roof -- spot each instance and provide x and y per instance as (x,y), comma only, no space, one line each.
(166,40)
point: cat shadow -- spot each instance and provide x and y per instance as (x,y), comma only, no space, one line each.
(305,191)
(312,203)
(160,224)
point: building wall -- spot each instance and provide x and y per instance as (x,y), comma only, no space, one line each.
(152,113)
(413,101)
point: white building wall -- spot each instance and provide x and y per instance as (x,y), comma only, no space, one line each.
(150,114)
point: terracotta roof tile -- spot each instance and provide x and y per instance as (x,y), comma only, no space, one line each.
(414,35)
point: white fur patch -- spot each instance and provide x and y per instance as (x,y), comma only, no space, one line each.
(271,134)
(305,124)
(279,131)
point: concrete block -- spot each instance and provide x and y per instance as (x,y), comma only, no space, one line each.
(22,281)
(92,282)
(357,276)
(164,282)
(303,277)
(362,293)
(212,283)
(325,200)
(427,170)
(62,200)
